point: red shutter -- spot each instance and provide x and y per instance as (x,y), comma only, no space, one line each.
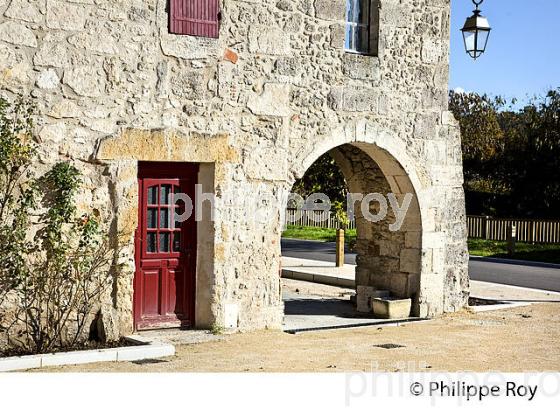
(194,17)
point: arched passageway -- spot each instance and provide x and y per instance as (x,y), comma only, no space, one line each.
(385,207)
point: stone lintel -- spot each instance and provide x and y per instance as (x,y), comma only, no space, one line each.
(166,145)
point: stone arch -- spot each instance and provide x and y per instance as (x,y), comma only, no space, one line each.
(383,147)
(399,261)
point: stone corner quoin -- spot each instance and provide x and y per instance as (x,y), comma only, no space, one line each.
(254,108)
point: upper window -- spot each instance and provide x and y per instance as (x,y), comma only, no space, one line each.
(362,18)
(194,17)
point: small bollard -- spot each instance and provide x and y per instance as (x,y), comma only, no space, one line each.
(512,239)
(339,248)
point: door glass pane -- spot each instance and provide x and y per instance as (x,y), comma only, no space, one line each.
(151,242)
(164,194)
(177,223)
(177,201)
(152,217)
(164,218)
(152,195)
(164,242)
(176,241)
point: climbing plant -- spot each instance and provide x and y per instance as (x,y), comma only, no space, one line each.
(17,152)
(55,265)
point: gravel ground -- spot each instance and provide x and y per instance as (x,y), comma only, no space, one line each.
(519,339)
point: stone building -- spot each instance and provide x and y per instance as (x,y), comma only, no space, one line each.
(240,97)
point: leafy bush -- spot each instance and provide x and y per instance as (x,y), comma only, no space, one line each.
(16,197)
(54,266)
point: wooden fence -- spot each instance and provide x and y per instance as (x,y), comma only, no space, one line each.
(305,219)
(527,230)
(482,227)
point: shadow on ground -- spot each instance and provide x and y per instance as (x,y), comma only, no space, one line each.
(321,307)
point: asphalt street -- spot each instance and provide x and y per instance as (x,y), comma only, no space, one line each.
(508,272)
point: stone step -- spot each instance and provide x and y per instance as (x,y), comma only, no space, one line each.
(391,308)
(324,279)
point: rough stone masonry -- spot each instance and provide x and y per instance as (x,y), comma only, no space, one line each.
(255,108)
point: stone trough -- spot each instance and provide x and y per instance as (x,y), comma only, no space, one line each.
(382,304)
(391,308)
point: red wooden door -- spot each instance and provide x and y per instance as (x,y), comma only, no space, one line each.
(164,282)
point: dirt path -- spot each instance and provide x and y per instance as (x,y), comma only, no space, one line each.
(513,340)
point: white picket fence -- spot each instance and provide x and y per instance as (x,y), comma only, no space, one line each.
(306,218)
(527,230)
(482,227)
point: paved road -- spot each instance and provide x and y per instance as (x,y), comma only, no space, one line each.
(315,250)
(516,273)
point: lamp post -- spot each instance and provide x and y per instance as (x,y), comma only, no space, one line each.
(476,32)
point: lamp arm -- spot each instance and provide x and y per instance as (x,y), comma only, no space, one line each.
(477,2)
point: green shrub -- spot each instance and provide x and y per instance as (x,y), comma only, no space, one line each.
(55,266)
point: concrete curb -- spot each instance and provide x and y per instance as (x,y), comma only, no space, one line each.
(518,262)
(500,306)
(318,278)
(548,292)
(149,350)
(387,323)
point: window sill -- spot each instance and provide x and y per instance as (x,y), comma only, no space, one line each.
(360,53)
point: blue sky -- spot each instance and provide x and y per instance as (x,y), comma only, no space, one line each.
(523,54)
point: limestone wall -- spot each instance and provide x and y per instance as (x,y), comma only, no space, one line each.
(257,106)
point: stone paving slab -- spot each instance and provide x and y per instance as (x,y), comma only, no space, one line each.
(496,291)
(310,311)
(318,272)
(319,267)
(180,337)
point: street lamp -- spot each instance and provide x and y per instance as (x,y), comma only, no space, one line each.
(476,32)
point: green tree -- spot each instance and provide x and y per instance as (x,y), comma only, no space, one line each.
(324,176)
(511,157)
(531,161)
(482,139)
